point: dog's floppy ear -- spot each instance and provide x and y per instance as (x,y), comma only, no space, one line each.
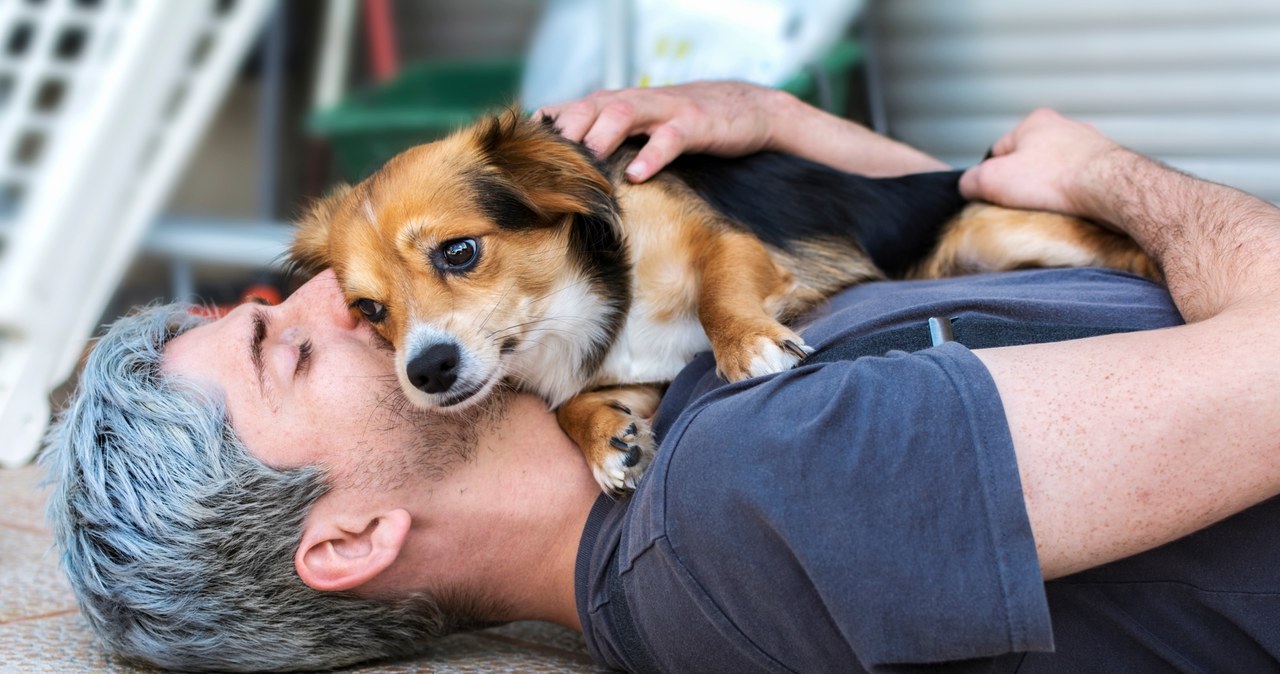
(309,252)
(531,177)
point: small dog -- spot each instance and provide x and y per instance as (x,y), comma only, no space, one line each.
(507,253)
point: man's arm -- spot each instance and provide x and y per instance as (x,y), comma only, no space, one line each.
(1129,441)
(728,119)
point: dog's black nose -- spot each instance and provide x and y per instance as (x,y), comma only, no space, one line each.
(435,369)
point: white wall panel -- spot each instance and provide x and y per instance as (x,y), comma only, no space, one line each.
(1191,82)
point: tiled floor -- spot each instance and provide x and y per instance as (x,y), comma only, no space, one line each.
(41,630)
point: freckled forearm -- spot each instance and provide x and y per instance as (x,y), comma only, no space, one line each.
(807,132)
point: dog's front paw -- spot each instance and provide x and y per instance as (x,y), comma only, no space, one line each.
(612,428)
(759,353)
(622,455)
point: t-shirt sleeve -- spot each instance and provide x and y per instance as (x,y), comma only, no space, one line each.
(881,494)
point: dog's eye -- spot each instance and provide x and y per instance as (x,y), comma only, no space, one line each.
(459,254)
(375,312)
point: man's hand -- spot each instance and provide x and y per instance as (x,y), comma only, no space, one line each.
(1047,162)
(729,119)
(1193,228)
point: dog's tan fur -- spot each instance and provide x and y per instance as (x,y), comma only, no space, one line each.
(694,278)
(985,238)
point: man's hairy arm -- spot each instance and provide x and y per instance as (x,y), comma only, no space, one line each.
(1129,441)
(1217,245)
(728,119)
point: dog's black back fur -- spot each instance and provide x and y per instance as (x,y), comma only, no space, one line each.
(782,199)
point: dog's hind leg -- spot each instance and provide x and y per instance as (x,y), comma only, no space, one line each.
(612,427)
(987,238)
(742,295)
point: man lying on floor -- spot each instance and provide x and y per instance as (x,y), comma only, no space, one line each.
(1100,502)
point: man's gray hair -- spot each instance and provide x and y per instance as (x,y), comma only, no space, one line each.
(179,544)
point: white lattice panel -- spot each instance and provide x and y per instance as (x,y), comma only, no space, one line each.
(101,103)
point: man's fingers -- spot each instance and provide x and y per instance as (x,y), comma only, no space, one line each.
(983,182)
(969,183)
(612,126)
(573,120)
(1004,145)
(665,144)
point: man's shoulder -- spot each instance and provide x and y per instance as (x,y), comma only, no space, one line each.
(734,442)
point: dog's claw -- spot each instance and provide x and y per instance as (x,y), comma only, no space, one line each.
(762,355)
(800,351)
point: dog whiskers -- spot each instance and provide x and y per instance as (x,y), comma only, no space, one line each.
(497,303)
(545,331)
(524,329)
(502,332)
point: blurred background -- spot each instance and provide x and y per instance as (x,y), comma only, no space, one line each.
(157,149)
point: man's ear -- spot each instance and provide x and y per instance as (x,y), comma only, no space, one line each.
(337,554)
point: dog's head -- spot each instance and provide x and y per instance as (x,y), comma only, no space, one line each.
(473,252)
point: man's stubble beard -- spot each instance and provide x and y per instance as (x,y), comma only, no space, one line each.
(435,443)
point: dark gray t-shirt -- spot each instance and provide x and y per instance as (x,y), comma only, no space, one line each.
(862,513)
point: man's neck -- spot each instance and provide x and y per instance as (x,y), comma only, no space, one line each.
(550,593)
(507,525)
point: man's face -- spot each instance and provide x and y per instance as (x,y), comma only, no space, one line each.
(305,382)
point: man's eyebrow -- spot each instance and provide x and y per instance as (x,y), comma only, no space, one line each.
(256,339)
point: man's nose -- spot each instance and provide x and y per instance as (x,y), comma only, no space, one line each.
(339,313)
(322,298)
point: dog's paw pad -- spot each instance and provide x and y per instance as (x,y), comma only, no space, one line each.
(623,443)
(631,449)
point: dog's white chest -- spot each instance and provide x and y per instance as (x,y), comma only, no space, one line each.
(651,350)
(657,339)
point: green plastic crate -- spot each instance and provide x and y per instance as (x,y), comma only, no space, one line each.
(428,100)
(424,102)
(834,67)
